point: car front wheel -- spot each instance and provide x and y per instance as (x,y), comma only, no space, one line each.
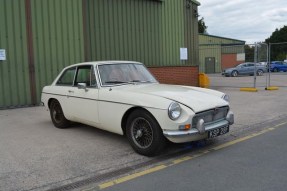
(144,133)
(57,115)
(260,72)
(234,74)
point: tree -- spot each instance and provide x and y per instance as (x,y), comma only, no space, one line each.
(249,53)
(201,26)
(278,51)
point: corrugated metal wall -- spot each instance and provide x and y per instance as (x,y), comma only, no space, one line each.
(210,51)
(43,36)
(235,49)
(214,46)
(142,30)
(57,38)
(14,72)
(191,31)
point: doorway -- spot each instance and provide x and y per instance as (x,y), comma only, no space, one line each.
(209,65)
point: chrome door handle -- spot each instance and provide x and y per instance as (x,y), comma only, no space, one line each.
(70,91)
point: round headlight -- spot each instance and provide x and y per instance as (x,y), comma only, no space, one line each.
(174,111)
(226,97)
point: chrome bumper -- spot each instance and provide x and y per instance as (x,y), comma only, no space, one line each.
(198,133)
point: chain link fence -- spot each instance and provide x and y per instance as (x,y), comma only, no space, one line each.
(244,65)
(277,65)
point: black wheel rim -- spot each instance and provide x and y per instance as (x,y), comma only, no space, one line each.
(141,133)
(57,113)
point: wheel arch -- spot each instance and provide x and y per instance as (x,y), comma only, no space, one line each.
(231,74)
(127,114)
(50,101)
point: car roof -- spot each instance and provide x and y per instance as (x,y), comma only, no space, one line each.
(104,62)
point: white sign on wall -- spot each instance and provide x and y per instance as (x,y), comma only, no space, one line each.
(2,54)
(240,57)
(183,54)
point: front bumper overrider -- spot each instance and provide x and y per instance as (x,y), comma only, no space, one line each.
(199,132)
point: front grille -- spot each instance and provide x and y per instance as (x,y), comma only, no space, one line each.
(211,116)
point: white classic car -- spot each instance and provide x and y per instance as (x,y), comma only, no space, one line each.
(124,98)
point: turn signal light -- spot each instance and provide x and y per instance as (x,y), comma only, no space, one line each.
(184,127)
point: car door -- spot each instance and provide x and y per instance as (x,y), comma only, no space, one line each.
(63,89)
(250,68)
(83,97)
(282,66)
(243,69)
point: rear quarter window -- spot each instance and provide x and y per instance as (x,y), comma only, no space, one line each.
(67,78)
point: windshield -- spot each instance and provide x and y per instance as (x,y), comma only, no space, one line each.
(115,74)
(239,65)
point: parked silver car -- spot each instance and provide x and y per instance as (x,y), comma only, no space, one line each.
(245,69)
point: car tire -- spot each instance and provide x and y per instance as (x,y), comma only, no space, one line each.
(260,72)
(144,133)
(275,70)
(234,73)
(57,115)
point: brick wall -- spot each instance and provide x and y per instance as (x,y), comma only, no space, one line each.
(229,61)
(185,75)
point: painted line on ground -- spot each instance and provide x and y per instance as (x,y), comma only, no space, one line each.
(132,176)
(181,160)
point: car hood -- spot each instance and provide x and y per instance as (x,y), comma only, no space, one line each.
(198,99)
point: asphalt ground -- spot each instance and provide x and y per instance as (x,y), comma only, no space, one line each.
(255,162)
(37,156)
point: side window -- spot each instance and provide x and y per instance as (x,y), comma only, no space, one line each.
(67,78)
(86,75)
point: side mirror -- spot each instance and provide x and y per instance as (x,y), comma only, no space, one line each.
(82,86)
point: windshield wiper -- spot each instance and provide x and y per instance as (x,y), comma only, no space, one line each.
(115,82)
(139,81)
(123,82)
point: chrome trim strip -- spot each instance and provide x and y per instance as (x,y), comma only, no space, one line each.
(104,101)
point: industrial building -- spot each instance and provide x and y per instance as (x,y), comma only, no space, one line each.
(38,38)
(217,53)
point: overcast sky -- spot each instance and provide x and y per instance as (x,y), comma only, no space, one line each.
(248,20)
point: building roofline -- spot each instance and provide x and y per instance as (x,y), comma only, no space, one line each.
(225,44)
(196,2)
(222,37)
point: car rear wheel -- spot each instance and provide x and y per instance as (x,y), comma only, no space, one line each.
(275,70)
(260,72)
(144,133)
(57,115)
(234,74)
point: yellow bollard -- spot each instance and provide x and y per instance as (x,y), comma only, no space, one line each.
(203,80)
